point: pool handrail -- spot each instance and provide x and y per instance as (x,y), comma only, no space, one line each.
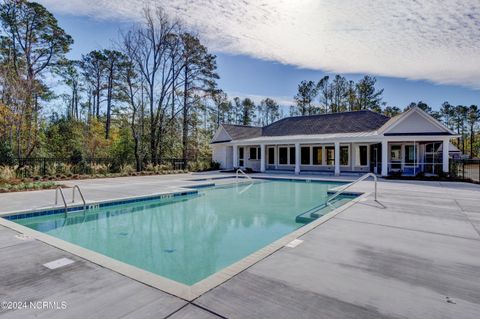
(59,188)
(81,195)
(243,173)
(339,192)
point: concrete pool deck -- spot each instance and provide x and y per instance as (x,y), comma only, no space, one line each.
(417,256)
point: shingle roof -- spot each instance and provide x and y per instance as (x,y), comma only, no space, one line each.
(331,123)
(240,132)
(346,122)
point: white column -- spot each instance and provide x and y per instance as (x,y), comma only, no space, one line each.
(337,158)
(263,158)
(384,158)
(297,158)
(445,155)
(235,156)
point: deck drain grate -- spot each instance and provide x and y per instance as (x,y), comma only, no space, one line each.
(58,263)
(294,243)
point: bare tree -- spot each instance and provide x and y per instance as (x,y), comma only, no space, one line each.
(152,58)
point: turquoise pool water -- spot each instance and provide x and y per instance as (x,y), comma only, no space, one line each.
(189,238)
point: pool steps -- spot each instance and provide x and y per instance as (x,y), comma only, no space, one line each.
(320,210)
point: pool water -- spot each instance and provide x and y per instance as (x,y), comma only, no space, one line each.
(189,238)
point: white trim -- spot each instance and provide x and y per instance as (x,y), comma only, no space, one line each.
(297,158)
(388,127)
(220,128)
(446,155)
(336,158)
(315,139)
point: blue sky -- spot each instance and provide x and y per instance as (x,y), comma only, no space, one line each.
(246,72)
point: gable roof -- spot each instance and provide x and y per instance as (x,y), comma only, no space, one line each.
(330,123)
(240,132)
(419,123)
(355,123)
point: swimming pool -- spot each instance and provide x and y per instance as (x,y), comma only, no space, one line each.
(190,237)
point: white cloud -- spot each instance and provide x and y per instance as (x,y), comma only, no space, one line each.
(436,40)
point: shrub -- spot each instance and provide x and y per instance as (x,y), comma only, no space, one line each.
(163,167)
(127,169)
(150,167)
(63,169)
(215,165)
(76,157)
(8,187)
(203,165)
(7,173)
(99,169)
(25,171)
(7,157)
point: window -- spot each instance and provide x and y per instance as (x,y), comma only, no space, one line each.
(361,155)
(395,152)
(344,156)
(271,156)
(396,156)
(410,156)
(305,155)
(433,158)
(433,147)
(317,155)
(253,153)
(240,157)
(330,152)
(283,155)
(292,155)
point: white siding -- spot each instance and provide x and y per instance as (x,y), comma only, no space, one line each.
(415,123)
(254,164)
(221,135)
(223,154)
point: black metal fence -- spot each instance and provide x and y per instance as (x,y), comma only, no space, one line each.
(468,170)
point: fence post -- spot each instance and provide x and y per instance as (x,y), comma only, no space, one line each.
(463,169)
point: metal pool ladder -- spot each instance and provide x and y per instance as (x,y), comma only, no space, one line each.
(364,177)
(243,173)
(76,187)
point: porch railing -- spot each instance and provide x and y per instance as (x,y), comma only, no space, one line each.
(412,169)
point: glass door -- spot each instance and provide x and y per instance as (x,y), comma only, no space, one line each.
(395,157)
(433,158)
(241,157)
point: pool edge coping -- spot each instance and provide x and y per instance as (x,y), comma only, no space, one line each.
(177,289)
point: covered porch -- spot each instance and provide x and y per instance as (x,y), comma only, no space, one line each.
(407,156)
